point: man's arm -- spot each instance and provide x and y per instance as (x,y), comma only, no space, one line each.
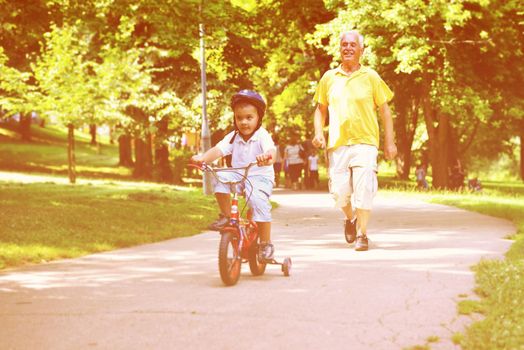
(321,113)
(390,149)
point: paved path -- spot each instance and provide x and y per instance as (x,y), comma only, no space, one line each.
(169,295)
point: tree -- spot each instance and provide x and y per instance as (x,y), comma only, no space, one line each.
(428,45)
(22,29)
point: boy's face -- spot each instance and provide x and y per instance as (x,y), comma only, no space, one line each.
(246,118)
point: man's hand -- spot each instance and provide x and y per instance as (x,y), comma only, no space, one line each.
(390,150)
(319,141)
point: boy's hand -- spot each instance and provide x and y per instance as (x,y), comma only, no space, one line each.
(264,159)
(197,159)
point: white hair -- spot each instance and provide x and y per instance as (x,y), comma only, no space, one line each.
(356,32)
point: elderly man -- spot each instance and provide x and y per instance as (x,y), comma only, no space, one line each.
(351,94)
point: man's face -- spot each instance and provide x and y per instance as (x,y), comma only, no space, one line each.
(350,50)
(246,118)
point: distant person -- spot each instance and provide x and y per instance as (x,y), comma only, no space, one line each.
(277,165)
(351,94)
(295,163)
(304,154)
(420,174)
(249,142)
(313,170)
(475,185)
(456,176)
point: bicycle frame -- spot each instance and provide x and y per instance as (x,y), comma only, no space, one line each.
(239,240)
(244,229)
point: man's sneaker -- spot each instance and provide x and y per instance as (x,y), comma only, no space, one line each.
(350,230)
(265,251)
(219,223)
(362,243)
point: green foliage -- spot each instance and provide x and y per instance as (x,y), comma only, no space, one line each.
(63,76)
(467,307)
(101,61)
(13,87)
(463,50)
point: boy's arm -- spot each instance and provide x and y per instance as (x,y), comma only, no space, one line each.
(209,156)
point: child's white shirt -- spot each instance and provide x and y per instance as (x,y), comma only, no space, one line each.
(245,152)
(313,163)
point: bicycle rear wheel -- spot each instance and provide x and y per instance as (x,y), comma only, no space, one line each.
(229,261)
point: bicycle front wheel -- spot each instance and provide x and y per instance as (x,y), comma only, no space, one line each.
(229,261)
(256,266)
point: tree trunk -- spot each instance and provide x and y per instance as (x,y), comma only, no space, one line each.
(25,126)
(405,127)
(440,163)
(143,145)
(125,152)
(522,150)
(436,140)
(111,135)
(143,169)
(148,153)
(163,170)
(71,153)
(92,132)
(401,137)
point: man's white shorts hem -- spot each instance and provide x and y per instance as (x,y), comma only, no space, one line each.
(353,175)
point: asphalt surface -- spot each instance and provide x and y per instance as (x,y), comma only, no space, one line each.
(169,295)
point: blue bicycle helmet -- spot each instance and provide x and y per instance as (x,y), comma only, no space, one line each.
(253,98)
(250,97)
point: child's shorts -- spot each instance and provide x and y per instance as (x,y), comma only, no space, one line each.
(353,175)
(258,190)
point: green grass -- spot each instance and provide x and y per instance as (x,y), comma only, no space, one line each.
(47,153)
(500,284)
(43,221)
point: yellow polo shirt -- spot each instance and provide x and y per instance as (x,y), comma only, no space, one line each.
(352,102)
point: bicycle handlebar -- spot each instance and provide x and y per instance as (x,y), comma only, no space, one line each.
(206,167)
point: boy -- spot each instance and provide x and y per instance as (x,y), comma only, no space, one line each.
(249,142)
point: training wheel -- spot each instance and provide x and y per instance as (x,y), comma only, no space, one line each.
(286,266)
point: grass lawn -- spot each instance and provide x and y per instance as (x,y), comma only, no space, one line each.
(45,221)
(47,153)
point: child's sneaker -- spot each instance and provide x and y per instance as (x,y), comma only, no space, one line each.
(265,251)
(219,223)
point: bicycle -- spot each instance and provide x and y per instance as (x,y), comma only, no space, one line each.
(239,239)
